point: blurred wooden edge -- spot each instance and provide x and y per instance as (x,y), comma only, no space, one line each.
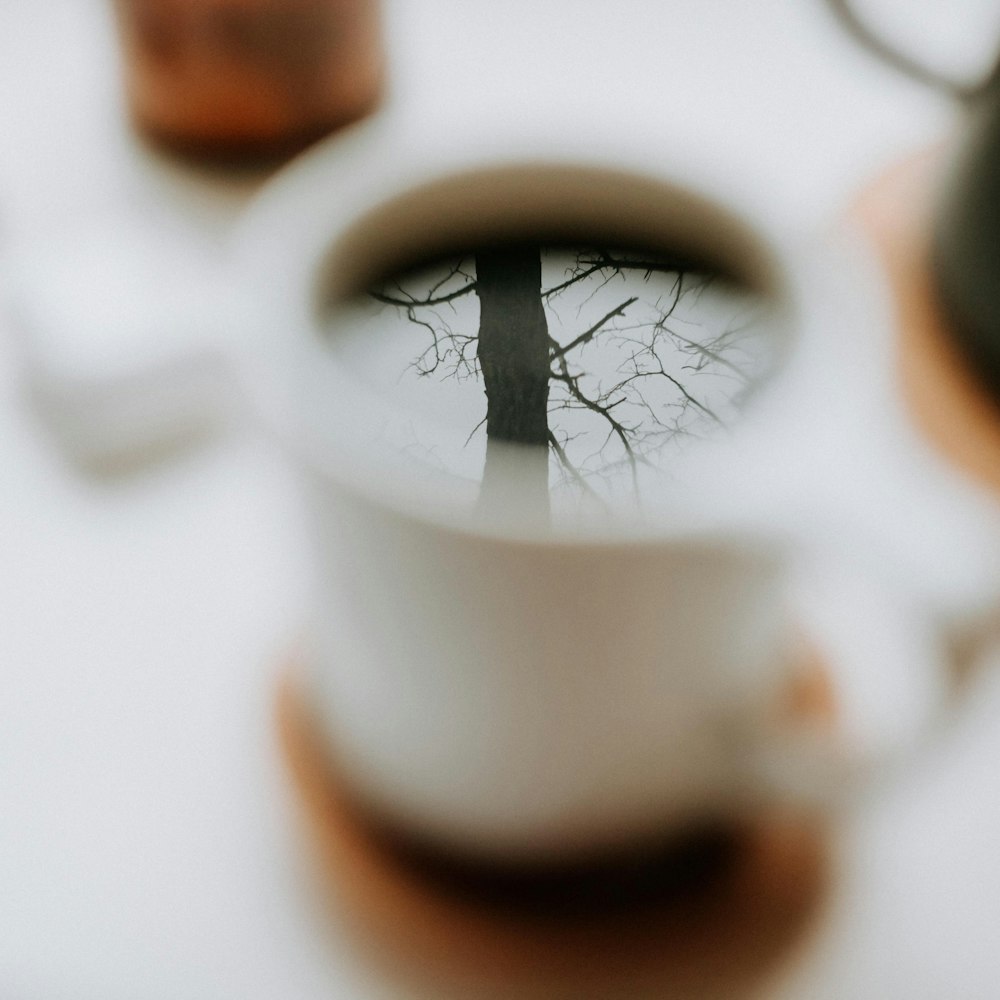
(946,403)
(718,942)
(191,95)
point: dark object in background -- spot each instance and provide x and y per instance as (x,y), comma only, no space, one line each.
(248,79)
(965,252)
(965,237)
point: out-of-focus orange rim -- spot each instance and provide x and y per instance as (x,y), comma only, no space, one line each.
(947,404)
(727,938)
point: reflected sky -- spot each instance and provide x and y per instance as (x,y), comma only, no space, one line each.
(603,364)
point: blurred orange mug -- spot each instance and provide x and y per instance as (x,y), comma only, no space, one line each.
(248,77)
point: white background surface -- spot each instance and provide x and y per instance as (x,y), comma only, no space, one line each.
(144,834)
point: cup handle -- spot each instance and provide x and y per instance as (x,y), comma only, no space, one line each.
(891,671)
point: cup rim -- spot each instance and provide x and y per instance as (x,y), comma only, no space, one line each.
(328,240)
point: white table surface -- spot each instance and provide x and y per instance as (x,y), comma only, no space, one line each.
(145,833)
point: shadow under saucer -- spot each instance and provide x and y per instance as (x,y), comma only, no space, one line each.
(712,912)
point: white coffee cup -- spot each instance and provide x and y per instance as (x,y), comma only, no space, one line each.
(514,688)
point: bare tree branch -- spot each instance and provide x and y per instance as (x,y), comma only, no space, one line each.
(587,335)
(570,468)
(638,422)
(429,301)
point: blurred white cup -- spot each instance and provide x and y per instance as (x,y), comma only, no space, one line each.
(513,686)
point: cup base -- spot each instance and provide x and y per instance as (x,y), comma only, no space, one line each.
(716,909)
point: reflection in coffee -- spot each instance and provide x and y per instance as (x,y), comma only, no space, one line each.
(599,365)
